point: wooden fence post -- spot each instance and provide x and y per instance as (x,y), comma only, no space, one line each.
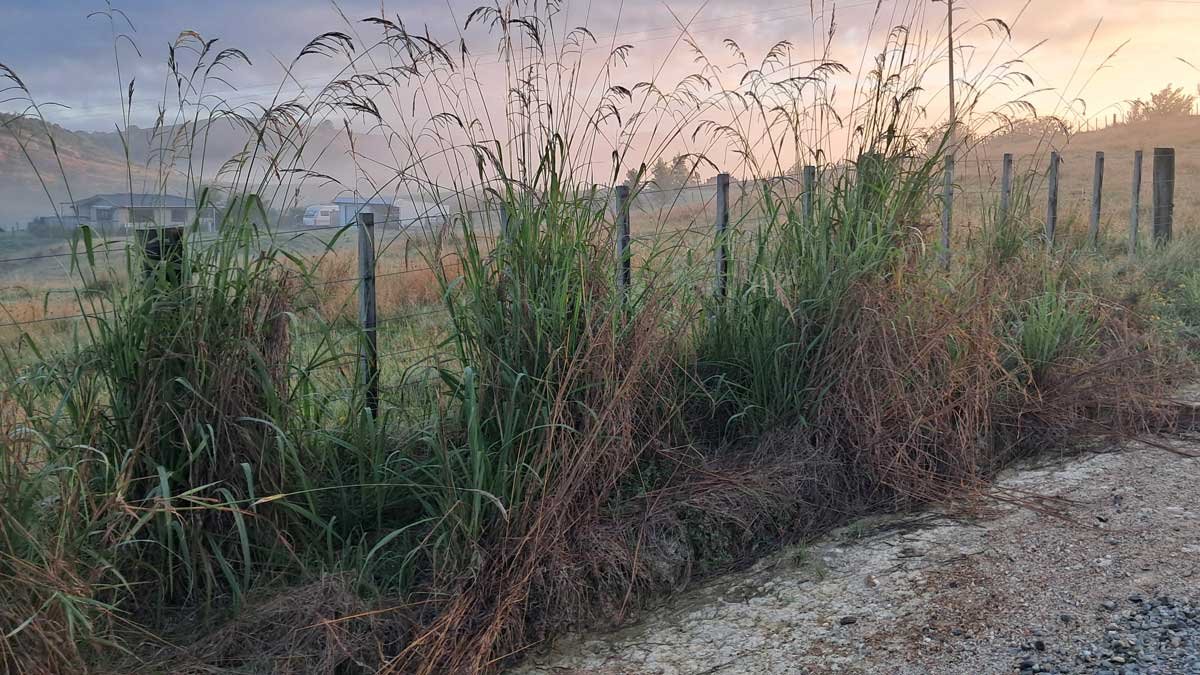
(810,184)
(1135,205)
(1006,178)
(1097,190)
(162,248)
(1163,194)
(1052,200)
(722,253)
(624,267)
(947,212)
(369,349)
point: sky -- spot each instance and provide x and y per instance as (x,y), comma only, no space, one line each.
(66,56)
(1085,59)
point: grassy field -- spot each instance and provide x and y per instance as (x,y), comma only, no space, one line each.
(192,478)
(979,174)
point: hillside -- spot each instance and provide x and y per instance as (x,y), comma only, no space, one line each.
(1178,132)
(94,162)
(29,168)
(978,174)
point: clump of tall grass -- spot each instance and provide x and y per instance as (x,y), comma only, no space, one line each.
(790,278)
(55,616)
(1053,325)
(181,391)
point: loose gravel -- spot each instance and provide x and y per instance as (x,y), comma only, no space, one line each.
(1159,636)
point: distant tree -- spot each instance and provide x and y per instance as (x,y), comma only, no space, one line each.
(1168,102)
(672,175)
(635,177)
(668,178)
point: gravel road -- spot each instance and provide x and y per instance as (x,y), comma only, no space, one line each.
(1084,564)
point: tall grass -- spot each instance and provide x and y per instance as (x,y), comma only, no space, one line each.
(759,354)
(567,450)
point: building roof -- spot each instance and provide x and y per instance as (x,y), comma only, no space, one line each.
(136,200)
(359,201)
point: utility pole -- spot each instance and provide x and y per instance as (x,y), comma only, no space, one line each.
(952,146)
(950,59)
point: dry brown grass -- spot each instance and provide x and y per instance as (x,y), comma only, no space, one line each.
(913,383)
(46,307)
(401,284)
(36,316)
(48,644)
(980,172)
(928,398)
(319,627)
(552,560)
(39,633)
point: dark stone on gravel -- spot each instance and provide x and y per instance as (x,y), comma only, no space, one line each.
(848,620)
(1156,636)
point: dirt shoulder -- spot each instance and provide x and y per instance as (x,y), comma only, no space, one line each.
(1051,562)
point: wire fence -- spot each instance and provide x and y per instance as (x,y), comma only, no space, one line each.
(415,320)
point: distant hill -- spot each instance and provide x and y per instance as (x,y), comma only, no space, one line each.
(95,162)
(88,165)
(1118,142)
(978,172)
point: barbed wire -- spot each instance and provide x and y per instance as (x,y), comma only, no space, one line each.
(46,319)
(108,246)
(1072,195)
(384,275)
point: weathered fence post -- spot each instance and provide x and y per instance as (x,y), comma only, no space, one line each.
(1135,204)
(162,249)
(1097,190)
(947,212)
(1052,200)
(624,266)
(810,184)
(1163,194)
(722,253)
(369,349)
(1006,178)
